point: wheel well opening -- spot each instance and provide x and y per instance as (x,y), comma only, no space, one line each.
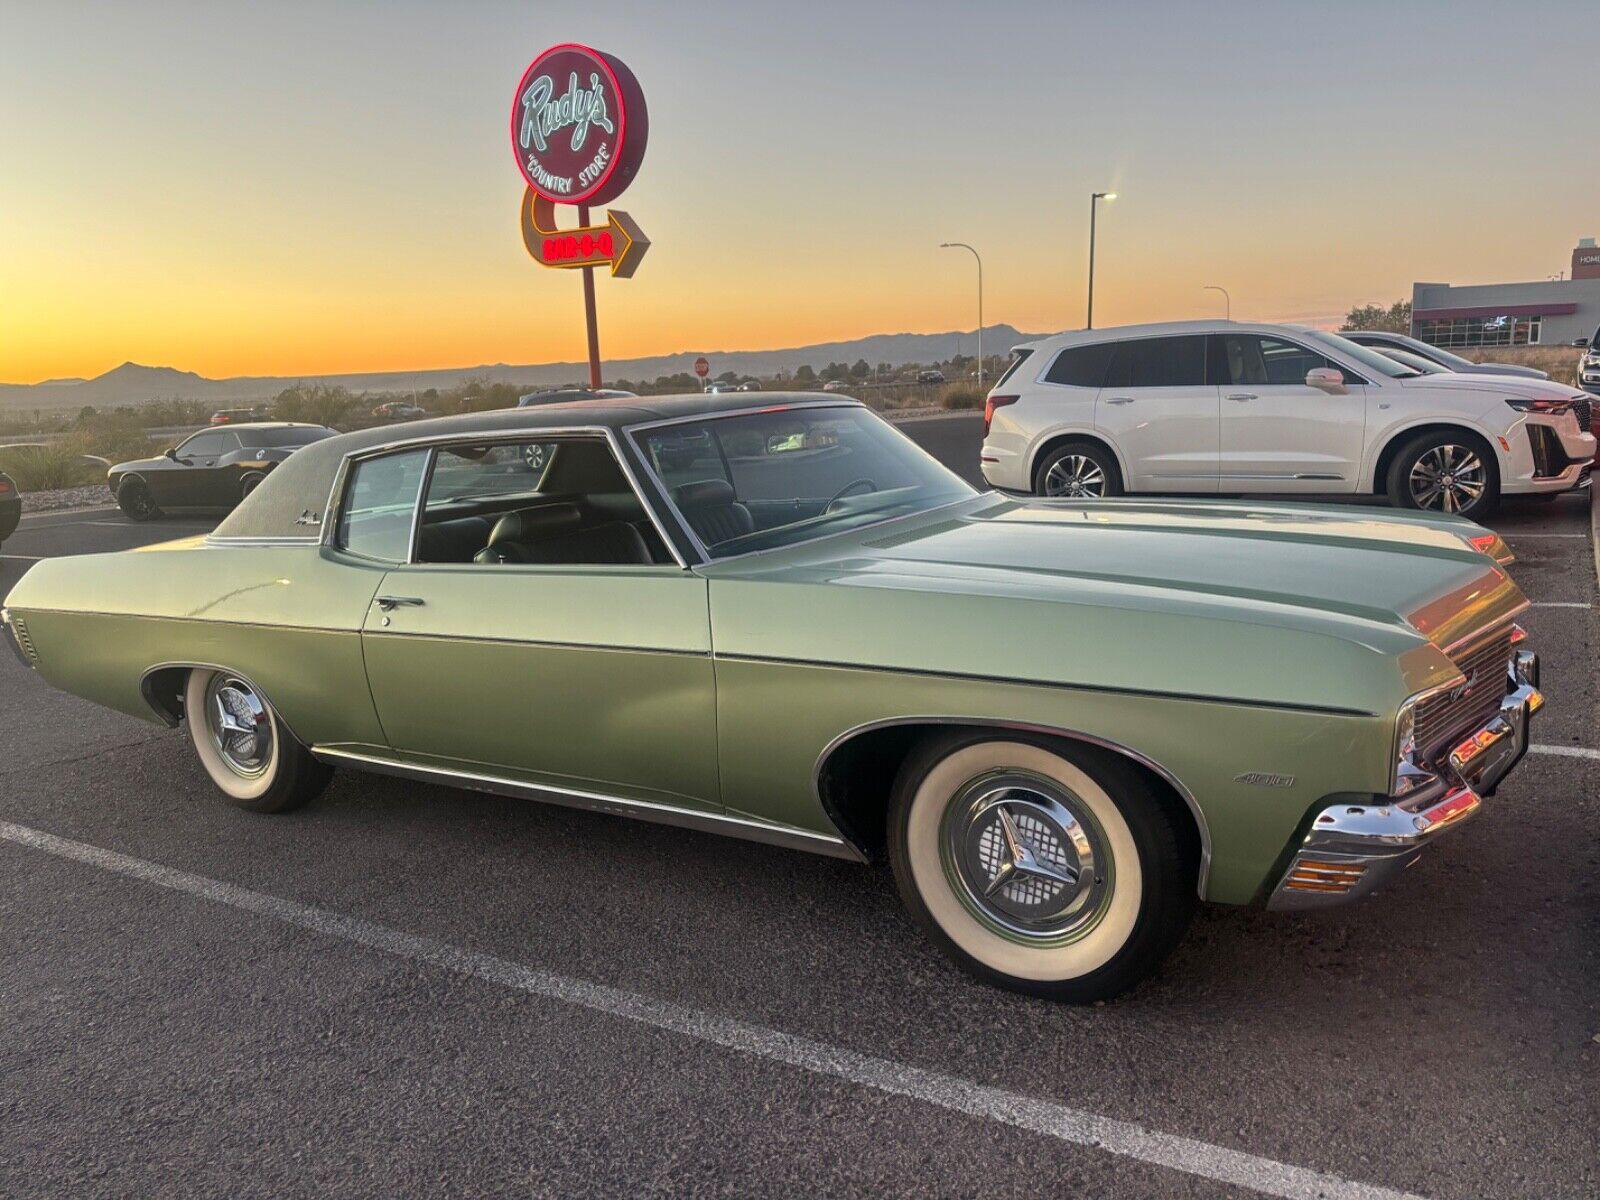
(858,777)
(1386,457)
(163,692)
(1072,439)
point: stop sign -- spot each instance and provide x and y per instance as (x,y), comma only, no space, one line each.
(702,366)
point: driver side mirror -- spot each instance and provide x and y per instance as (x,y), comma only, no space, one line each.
(1327,379)
(172,453)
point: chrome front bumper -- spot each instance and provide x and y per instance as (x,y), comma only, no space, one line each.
(1352,850)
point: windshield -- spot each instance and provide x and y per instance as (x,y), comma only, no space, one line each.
(1369,358)
(757,481)
(1415,361)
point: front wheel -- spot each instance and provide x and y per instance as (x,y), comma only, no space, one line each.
(134,499)
(255,762)
(1445,472)
(1049,869)
(250,481)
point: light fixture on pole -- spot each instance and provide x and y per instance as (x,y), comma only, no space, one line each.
(1226,299)
(1094,199)
(964,246)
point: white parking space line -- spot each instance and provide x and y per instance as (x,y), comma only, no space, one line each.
(1075,1126)
(1561,604)
(1574,536)
(1564,751)
(23,557)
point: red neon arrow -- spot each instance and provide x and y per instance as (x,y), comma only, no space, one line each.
(619,243)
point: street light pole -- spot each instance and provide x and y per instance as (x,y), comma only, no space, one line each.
(976,255)
(1094,199)
(1226,299)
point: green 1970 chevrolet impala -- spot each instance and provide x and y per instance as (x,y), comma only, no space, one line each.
(1062,722)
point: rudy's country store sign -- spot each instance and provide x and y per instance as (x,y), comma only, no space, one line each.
(578,125)
(578,132)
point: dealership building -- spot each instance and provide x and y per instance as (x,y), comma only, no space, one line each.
(1553,312)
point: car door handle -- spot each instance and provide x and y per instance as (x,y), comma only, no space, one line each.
(390,603)
(1241,397)
(1120,400)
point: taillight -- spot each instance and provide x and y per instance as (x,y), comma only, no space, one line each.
(992,403)
(5,487)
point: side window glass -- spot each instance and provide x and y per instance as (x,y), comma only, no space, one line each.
(1159,362)
(1081,366)
(203,445)
(682,454)
(1287,363)
(380,501)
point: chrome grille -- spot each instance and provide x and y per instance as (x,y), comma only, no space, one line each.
(1446,716)
(1582,408)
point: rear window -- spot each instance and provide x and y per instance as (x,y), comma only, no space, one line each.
(1018,357)
(1081,366)
(1159,362)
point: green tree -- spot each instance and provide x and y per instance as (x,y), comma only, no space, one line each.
(805,374)
(316,403)
(1394,319)
(860,369)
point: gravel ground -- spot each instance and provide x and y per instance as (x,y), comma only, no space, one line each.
(95,495)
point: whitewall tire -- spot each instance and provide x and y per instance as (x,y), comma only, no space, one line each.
(1049,868)
(254,761)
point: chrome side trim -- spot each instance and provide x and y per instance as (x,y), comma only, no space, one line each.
(645,810)
(330,514)
(1075,735)
(260,540)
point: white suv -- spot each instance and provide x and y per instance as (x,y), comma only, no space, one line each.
(1216,407)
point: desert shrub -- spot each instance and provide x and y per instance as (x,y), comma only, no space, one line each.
(957,397)
(46,468)
(1560,361)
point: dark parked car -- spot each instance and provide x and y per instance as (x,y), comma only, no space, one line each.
(215,468)
(235,416)
(930,376)
(10,506)
(568,395)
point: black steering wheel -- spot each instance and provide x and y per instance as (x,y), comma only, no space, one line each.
(846,490)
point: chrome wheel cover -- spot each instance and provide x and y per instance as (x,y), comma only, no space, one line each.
(239,724)
(1026,857)
(536,454)
(1448,479)
(1075,475)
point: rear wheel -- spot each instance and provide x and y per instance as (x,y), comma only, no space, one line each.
(1048,869)
(255,762)
(1078,469)
(134,499)
(1447,472)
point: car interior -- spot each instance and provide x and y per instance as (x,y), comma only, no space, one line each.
(492,505)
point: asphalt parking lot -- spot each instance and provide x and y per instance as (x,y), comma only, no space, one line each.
(407,990)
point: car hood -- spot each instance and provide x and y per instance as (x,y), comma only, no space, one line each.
(1499,385)
(1292,603)
(154,463)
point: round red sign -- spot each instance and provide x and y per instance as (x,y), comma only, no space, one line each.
(702,367)
(578,125)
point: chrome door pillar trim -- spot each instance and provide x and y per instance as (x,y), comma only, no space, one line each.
(1026,727)
(787,836)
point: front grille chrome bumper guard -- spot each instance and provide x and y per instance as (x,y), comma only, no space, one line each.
(1352,850)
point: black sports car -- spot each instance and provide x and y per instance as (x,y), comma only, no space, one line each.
(215,468)
(10,506)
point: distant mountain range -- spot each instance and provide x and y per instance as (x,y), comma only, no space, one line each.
(132,383)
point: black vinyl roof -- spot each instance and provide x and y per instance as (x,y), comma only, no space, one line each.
(304,480)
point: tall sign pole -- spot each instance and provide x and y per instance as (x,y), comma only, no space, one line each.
(578,130)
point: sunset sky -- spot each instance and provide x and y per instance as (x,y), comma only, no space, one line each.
(324,187)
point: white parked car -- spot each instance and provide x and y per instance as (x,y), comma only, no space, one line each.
(1212,407)
(1589,365)
(1379,339)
